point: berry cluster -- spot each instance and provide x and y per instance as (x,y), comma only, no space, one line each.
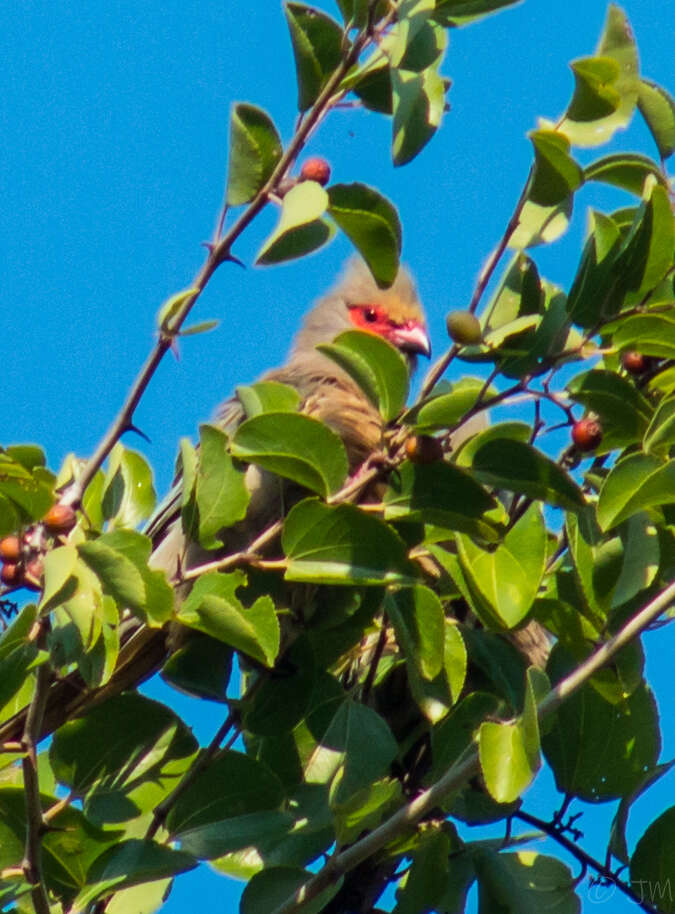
(22,556)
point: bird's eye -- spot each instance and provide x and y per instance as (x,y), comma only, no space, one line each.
(370,315)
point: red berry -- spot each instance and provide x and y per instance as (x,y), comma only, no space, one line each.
(587,434)
(10,549)
(60,519)
(11,574)
(315,169)
(634,362)
(423,449)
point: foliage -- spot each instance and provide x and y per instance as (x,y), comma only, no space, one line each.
(387,689)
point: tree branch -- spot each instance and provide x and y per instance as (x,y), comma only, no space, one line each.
(218,253)
(35,825)
(468,764)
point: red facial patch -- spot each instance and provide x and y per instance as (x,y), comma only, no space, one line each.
(371,318)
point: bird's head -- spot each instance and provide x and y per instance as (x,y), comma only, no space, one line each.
(356,302)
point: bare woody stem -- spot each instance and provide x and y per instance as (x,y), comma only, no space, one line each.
(468,764)
(218,253)
(35,825)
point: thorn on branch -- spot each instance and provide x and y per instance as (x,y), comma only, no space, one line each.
(130,427)
(230,258)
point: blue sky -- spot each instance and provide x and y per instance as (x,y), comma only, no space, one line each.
(114,124)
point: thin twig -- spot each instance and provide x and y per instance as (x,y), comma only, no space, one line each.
(467,765)
(218,253)
(583,857)
(162,809)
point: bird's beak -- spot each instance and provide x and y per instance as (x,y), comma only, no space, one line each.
(412,338)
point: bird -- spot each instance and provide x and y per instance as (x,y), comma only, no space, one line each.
(327,393)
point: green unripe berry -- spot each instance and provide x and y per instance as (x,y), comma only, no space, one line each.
(464,328)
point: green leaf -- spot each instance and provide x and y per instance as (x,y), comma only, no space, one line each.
(518,294)
(371,223)
(617,841)
(159,595)
(141,899)
(657,107)
(539,224)
(424,883)
(356,749)
(524,883)
(118,575)
(651,334)
(507,579)
(300,229)
(518,467)
(442,494)
(626,170)
(451,737)
(268,397)
(317,41)
(417,616)
(635,483)
(275,884)
(652,866)
(373,88)
(463,12)
(366,809)
(128,492)
(255,151)
(221,497)
(507,766)
(201,327)
(623,411)
(412,18)
(418,103)
(660,434)
(131,862)
(606,86)
(232,787)
(377,367)
(117,745)
(59,576)
(597,290)
(213,608)
(30,492)
(294,446)
(17,631)
(342,545)
(444,410)
(648,249)
(171,307)
(518,431)
(201,666)
(555,174)
(600,750)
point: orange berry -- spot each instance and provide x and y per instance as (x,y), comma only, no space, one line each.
(11,574)
(634,362)
(60,519)
(10,549)
(587,434)
(315,169)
